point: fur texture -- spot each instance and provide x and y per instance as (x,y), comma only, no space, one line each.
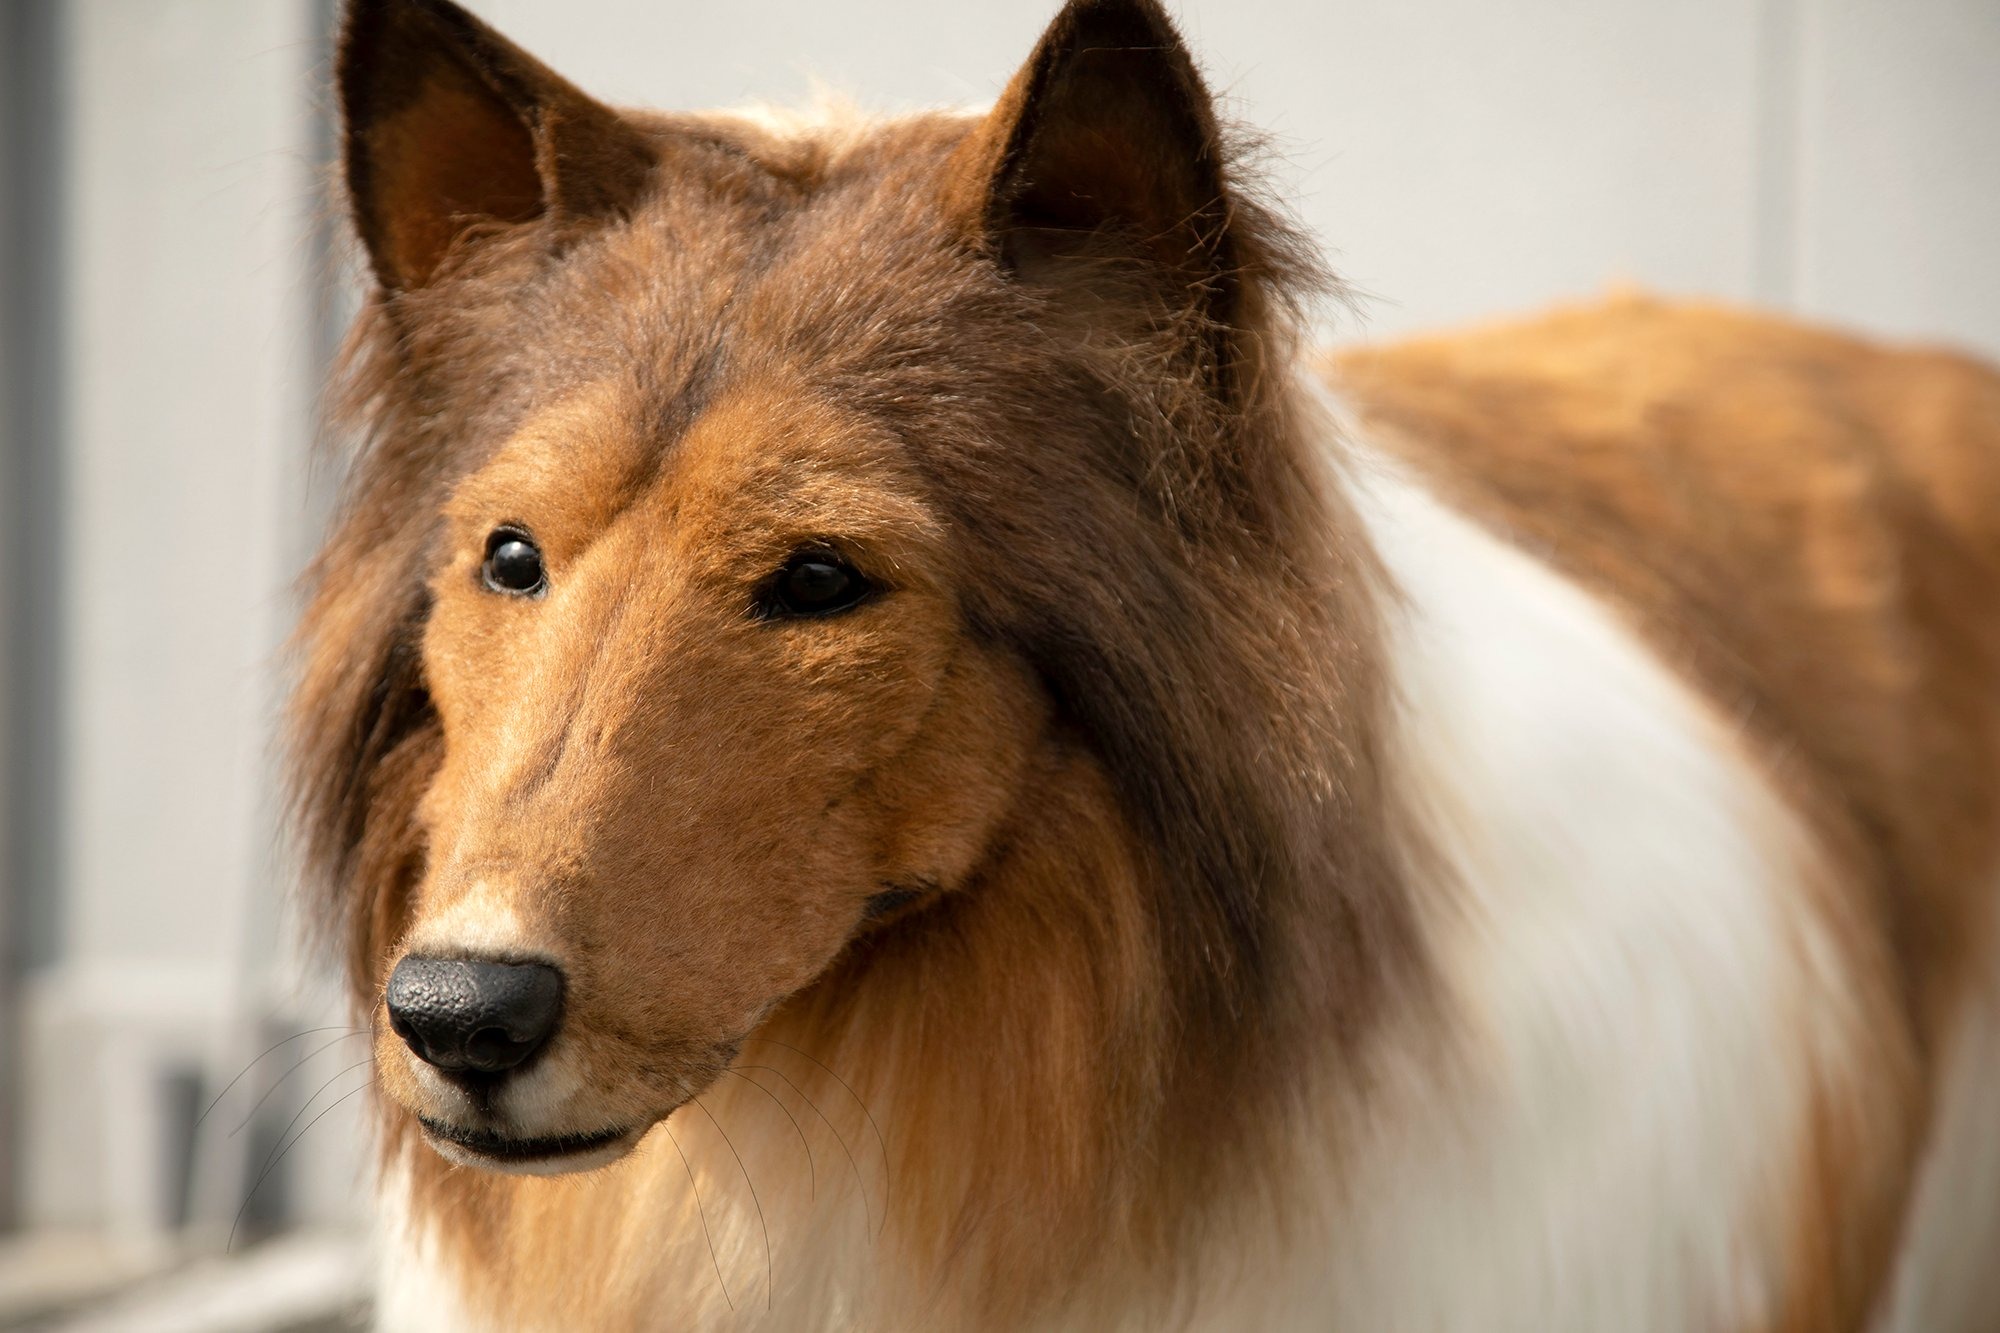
(1207,881)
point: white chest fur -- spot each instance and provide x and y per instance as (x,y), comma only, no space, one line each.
(1641,995)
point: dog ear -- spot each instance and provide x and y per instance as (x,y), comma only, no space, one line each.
(452,132)
(1105,147)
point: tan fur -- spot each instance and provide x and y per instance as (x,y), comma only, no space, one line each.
(1086,1022)
(1809,524)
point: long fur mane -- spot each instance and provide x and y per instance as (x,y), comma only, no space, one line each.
(1156,537)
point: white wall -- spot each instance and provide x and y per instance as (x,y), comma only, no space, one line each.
(187,363)
(1898,167)
(1464,158)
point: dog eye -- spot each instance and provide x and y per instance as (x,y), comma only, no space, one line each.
(815,583)
(513,563)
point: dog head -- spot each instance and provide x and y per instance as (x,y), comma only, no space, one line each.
(748,510)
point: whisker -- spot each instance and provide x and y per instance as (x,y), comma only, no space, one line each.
(268,1051)
(296,1067)
(812,1173)
(888,1181)
(337,1075)
(702,1213)
(770,1273)
(860,1185)
(252,1191)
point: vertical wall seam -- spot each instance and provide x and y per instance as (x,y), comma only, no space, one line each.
(32,528)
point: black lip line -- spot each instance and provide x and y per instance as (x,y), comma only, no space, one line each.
(490,1144)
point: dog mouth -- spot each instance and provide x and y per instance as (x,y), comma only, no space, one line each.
(554,1152)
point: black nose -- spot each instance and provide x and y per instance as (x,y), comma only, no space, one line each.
(461,1014)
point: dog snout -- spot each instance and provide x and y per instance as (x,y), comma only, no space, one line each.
(472,1016)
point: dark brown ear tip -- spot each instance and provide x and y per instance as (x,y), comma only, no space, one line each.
(1140,18)
(377,11)
(1151,9)
(1134,27)
(361,21)
(367,38)
(365,22)
(369,29)
(361,13)
(449,124)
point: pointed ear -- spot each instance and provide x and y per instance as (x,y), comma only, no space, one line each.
(1105,145)
(452,130)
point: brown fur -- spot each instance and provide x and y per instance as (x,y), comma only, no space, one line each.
(1109,736)
(1132,781)
(1806,524)
(1803,521)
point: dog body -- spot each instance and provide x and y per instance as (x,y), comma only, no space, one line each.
(1790,528)
(1031,807)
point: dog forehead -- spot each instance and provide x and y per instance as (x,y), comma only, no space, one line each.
(782,263)
(780,324)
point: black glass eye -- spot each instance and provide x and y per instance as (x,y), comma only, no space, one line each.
(815,583)
(513,563)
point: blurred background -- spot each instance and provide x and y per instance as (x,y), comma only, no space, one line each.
(173,282)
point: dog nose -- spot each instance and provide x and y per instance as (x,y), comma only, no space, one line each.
(462,1014)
